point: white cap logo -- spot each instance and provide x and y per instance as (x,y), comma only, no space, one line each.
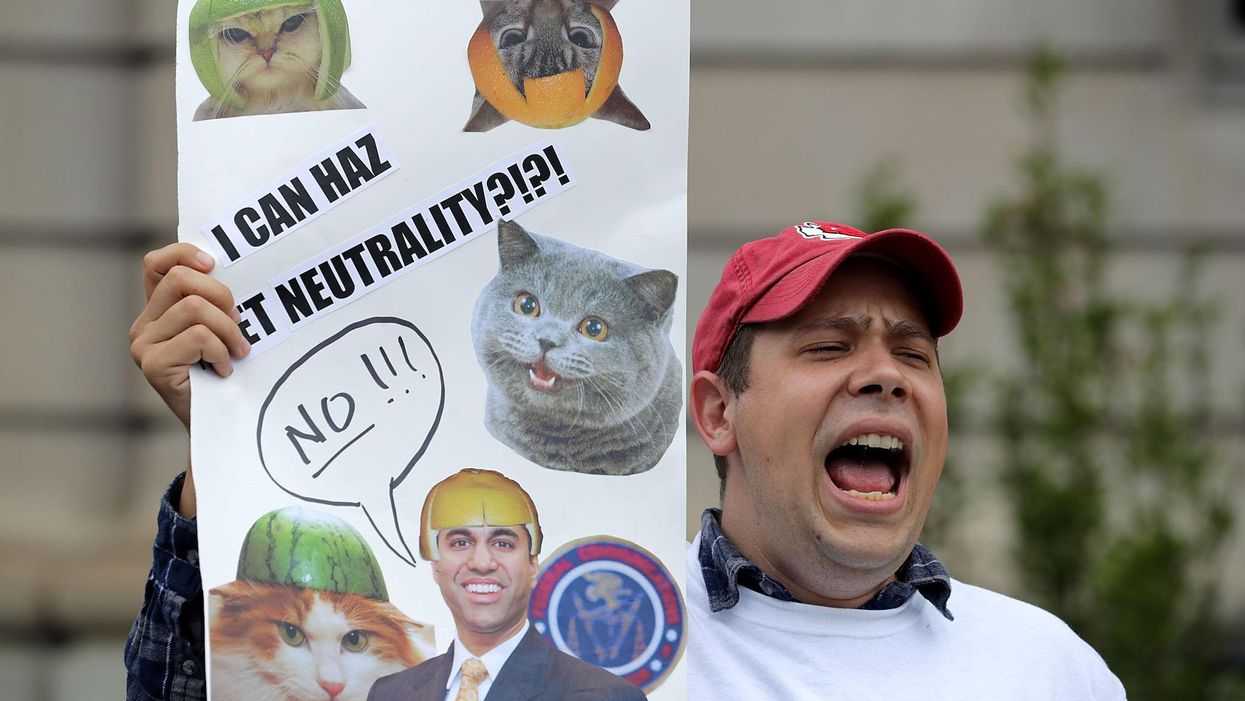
(813,230)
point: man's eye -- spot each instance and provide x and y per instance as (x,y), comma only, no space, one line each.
(915,356)
(504,544)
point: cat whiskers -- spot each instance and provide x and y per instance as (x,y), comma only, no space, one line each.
(499,360)
(615,404)
(625,387)
(221,106)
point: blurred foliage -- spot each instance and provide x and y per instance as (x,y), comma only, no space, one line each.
(885,201)
(1111,465)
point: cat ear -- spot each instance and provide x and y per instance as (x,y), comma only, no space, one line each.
(655,289)
(236,595)
(488,8)
(607,4)
(620,110)
(483,115)
(514,244)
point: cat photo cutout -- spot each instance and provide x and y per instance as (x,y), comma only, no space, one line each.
(576,349)
(548,64)
(270,56)
(308,617)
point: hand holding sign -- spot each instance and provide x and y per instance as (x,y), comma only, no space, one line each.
(333,428)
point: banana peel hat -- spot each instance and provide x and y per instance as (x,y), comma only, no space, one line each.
(473,498)
(334,36)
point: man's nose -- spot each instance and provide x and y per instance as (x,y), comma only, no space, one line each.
(879,374)
(482,559)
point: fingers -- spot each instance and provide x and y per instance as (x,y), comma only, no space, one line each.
(189,317)
(166,364)
(194,311)
(181,282)
(158,263)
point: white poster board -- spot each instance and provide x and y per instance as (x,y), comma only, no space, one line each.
(435,280)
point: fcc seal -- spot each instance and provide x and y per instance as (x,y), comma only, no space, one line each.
(612,603)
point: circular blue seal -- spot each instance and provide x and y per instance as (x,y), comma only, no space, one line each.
(610,602)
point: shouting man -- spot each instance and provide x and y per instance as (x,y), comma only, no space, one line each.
(818,389)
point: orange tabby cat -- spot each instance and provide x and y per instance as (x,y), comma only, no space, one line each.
(278,643)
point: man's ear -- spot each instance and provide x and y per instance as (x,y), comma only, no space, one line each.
(712,405)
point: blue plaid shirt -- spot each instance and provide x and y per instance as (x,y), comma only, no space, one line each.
(725,569)
(164,656)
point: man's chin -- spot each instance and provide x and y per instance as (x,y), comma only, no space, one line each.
(865,548)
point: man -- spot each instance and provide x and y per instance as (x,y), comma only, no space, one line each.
(482,534)
(817,387)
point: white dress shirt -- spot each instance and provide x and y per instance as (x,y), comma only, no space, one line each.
(493,661)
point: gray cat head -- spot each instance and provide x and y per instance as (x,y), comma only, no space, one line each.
(571,334)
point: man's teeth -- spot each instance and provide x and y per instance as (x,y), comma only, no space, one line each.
(874,440)
(483,588)
(871,496)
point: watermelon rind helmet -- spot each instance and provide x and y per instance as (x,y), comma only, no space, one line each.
(334,37)
(298,547)
(472,498)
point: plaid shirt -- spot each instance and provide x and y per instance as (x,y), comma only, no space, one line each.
(164,657)
(725,569)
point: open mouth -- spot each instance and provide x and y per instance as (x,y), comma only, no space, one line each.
(870,466)
(542,377)
(483,588)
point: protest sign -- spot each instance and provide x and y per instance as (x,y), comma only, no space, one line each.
(458,249)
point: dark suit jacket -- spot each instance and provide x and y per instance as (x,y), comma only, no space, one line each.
(535,670)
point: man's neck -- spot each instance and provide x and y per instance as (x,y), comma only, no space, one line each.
(837,587)
(479,644)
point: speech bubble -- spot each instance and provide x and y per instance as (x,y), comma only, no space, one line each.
(345,424)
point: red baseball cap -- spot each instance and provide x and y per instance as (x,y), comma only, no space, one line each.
(775,277)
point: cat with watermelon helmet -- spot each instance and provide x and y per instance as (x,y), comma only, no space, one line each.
(334,36)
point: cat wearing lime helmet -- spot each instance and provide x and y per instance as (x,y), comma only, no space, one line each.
(270,56)
(308,615)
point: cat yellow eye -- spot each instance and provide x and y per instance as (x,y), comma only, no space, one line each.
(594,328)
(355,641)
(290,634)
(526,304)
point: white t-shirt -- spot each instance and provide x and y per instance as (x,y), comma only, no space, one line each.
(996,648)
(493,661)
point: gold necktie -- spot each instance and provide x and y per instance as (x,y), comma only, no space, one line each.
(473,673)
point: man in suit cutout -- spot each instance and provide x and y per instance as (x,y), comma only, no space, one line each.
(482,534)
